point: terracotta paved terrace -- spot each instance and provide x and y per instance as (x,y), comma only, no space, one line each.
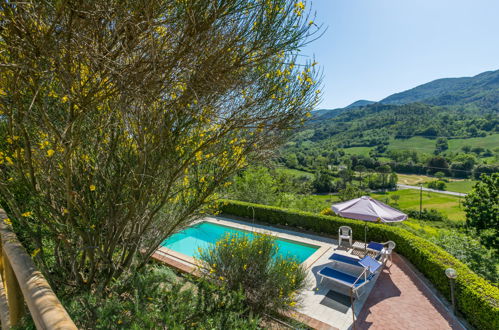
(400,300)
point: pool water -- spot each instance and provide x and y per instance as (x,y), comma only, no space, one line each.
(204,234)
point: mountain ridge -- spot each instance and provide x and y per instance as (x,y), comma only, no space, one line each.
(481,90)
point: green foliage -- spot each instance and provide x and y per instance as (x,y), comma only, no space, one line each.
(156,298)
(350,192)
(269,282)
(468,249)
(323,182)
(441,145)
(426,214)
(122,124)
(477,299)
(254,185)
(437,184)
(482,208)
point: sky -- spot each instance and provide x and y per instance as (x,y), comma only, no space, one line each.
(371,49)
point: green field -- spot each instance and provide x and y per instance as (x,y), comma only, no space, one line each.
(409,199)
(425,145)
(490,142)
(294,172)
(417,143)
(462,186)
(457,185)
(364,151)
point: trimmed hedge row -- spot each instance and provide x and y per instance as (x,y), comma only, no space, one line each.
(476,298)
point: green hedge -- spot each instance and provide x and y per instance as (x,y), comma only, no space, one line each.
(476,298)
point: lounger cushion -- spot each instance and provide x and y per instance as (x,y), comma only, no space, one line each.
(345,259)
(375,246)
(338,276)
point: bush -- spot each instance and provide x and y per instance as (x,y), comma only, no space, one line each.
(156,298)
(477,299)
(327,211)
(469,250)
(270,282)
(438,185)
(426,214)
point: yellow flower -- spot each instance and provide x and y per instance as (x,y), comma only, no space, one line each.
(308,114)
(64,99)
(65,210)
(119,321)
(50,152)
(92,187)
(7,221)
(27,214)
(35,253)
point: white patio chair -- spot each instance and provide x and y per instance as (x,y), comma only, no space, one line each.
(344,232)
(387,250)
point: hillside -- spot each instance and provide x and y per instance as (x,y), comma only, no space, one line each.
(481,90)
(462,114)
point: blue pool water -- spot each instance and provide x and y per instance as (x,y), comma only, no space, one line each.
(204,234)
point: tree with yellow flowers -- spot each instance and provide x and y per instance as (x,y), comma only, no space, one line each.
(121,119)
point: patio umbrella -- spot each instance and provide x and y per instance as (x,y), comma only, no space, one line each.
(368,209)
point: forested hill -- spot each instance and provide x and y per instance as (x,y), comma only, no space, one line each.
(454,107)
(481,91)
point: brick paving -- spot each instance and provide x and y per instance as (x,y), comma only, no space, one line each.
(400,300)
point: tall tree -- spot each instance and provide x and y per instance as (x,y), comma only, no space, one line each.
(482,209)
(123,118)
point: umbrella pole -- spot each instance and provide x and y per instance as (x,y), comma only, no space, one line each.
(365,238)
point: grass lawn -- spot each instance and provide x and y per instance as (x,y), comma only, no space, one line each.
(424,145)
(413,179)
(358,151)
(409,199)
(417,143)
(462,186)
(489,142)
(294,172)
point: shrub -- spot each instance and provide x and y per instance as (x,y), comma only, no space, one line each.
(270,282)
(438,185)
(156,298)
(476,298)
(327,211)
(469,250)
(426,214)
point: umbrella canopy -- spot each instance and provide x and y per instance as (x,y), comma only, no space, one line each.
(368,209)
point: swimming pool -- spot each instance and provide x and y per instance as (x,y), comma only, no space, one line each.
(203,234)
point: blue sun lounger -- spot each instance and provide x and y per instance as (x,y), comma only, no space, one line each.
(345,259)
(370,265)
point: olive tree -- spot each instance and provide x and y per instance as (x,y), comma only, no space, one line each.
(122,119)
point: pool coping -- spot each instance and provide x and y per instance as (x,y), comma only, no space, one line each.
(287,235)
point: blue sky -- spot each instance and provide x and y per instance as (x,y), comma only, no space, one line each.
(374,48)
